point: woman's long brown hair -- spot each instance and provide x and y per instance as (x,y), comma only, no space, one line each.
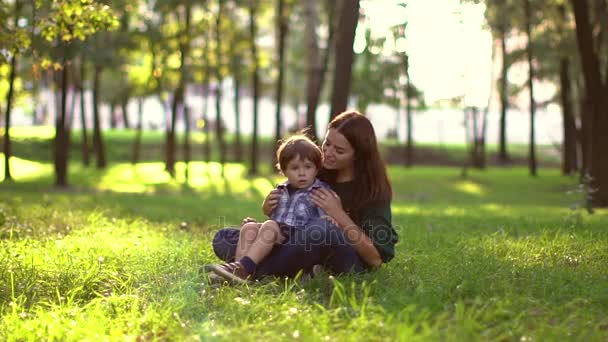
(373,185)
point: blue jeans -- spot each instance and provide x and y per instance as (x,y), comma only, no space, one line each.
(319,242)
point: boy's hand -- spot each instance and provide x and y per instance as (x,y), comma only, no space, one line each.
(247,220)
(271,202)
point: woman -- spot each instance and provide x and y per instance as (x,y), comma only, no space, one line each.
(359,235)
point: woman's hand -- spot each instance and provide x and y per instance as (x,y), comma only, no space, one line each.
(327,200)
(271,201)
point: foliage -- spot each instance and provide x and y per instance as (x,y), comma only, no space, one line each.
(75,19)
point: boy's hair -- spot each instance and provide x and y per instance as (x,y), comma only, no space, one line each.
(298,145)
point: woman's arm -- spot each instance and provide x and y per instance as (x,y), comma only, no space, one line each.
(358,239)
(363,245)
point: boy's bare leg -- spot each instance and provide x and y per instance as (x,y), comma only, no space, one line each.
(268,235)
(249,231)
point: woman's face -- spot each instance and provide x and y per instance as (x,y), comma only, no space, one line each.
(338,154)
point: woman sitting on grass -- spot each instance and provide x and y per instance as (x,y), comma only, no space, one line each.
(299,159)
(360,235)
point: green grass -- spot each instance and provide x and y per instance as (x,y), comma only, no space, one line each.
(498,256)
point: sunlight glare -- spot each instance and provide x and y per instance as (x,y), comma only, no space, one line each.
(469,188)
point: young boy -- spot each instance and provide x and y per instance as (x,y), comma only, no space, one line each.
(299,159)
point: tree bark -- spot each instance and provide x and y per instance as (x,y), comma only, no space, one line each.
(253,170)
(595,92)
(529,52)
(344,57)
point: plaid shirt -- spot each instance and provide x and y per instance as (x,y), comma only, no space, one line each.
(297,209)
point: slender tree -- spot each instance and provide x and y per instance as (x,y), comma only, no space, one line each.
(98,142)
(178,96)
(62,127)
(503,154)
(205,90)
(235,67)
(282,21)
(569,155)
(187,148)
(10,97)
(344,57)
(86,159)
(219,127)
(7,117)
(255,80)
(409,149)
(530,56)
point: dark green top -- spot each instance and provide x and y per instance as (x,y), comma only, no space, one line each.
(374,219)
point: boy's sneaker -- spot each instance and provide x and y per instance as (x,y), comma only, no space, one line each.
(233,272)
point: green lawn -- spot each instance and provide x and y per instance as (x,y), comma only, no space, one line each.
(499,256)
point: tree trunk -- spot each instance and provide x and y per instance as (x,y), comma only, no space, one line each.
(86,160)
(585,135)
(178,95)
(595,92)
(98,144)
(314,65)
(503,155)
(529,50)
(170,134)
(409,148)
(62,132)
(72,108)
(569,158)
(219,126)
(187,145)
(205,116)
(138,132)
(113,121)
(7,118)
(238,145)
(124,104)
(282,20)
(253,170)
(344,57)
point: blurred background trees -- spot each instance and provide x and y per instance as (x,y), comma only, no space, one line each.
(214,67)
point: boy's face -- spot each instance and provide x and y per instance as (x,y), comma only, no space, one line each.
(300,173)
